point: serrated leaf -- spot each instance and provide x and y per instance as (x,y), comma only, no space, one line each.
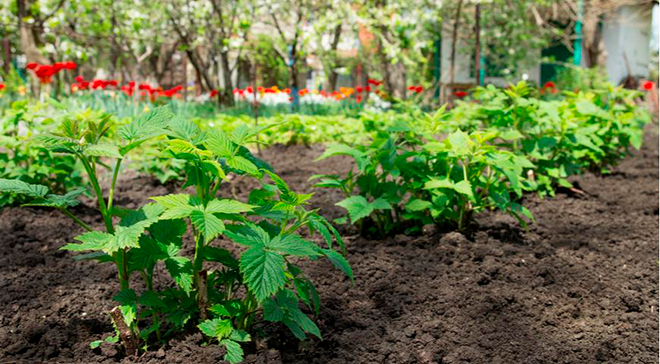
(20,187)
(293,245)
(213,254)
(126,297)
(465,188)
(242,164)
(227,206)
(251,235)
(151,299)
(208,224)
(418,205)
(240,335)
(357,206)
(68,200)
(216,328)
(234,351)
(180,269)
(93,240)
(339,261)
(219,143)
(102,150)
(340,149)
(147,125)
(263,272)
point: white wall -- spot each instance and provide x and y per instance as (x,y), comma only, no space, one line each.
(627,35)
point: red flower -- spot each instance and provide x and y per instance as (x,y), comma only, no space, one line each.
(368,88)
(32,65)
(2,86)
(79,79)
(373,82)
(412,88)
(648,85)
(460,94)
(358,99)
(549,84)
(113,83)
(214,93)
(287,91)
(419,89)
(260,89)
(144,87)
(359,89)
(131,84)
(249,89)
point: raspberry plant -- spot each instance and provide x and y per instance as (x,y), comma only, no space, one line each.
(407,178)
(219,293)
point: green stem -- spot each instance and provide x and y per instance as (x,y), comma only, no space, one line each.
(75,219)
(111,193)
(107,218)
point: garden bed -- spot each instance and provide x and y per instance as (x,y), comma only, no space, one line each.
(579,286)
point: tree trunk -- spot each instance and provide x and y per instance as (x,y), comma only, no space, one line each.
(333,76)
(477,45)
(454,37)
(227,92)
(27,41)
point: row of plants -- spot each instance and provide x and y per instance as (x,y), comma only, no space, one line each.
(411,169)
(483,155)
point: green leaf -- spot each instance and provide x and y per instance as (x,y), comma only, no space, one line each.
(147,125)
(20,187)
(459,142)
(180,269)
(59,201)
(465,188)
(240,335)
(242,164)
(250,235)
(438,183)
(340,149)
(208,224)
(216,328)
(102,150)
(93,240)
(381,204)
(228,207)
(126,297)
(151,299)
(279,182)
(418,205)
(219,143)
(234,351)
(263,272)
(223,256)
(272,311)
(357,206)
(339,261)
(293,245)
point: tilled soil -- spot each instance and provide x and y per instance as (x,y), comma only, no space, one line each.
(580,286)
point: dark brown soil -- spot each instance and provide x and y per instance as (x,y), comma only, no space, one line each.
(581,286)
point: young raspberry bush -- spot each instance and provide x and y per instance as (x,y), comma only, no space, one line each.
(223,287)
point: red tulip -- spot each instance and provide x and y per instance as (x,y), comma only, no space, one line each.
(358,98)
(32,65)
(460,94)
(2,86)
(249,89)
(648,85)
(214,93)
(359,89)
(412,88)
(419,89)
(368,88)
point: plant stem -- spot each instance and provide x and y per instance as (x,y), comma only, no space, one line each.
(111,193)
(107,218)
(75,219)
